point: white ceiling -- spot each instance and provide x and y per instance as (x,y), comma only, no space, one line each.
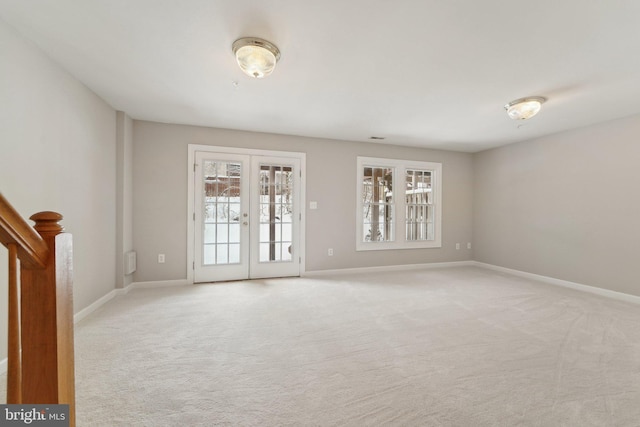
(429,73)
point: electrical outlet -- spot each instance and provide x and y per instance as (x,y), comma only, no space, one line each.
(330,252)
(160,258)
(469,245)
(458,246)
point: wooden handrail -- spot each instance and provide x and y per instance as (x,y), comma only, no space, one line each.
(41,350)
(32,249)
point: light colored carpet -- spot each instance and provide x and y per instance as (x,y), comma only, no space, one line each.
(442,347)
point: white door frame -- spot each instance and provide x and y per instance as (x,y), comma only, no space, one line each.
(192,148)
(258,269)
(224,271)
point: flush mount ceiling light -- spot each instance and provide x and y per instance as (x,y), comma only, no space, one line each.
(524,108)
(256,57)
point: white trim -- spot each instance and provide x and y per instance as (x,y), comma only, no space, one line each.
(620,296)
(399,167)
(302,239)
(97,304)
(123,291)
(158,284)
(192,148)
(84,313)
(231,271)
(383,268)
(293,267)
(191,211)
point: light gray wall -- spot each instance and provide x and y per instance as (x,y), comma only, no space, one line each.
(57,152)
(160,197)
(564,206)
(124,195)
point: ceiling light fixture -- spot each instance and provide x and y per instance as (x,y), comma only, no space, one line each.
(524,108)
(256,57)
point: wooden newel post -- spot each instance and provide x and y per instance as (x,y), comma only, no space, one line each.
(14,364)
(46,308)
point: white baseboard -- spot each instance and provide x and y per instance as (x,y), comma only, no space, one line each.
(108,297)
(158,284)
(97,304)
(79,316)
(564,283)
(545,279)
(380,269)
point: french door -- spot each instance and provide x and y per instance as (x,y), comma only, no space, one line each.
(247,216)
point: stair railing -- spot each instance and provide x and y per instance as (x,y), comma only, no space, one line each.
(40,365)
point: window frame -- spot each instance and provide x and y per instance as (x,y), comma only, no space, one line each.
(399,168)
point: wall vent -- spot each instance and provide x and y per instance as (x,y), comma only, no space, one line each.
(129,262)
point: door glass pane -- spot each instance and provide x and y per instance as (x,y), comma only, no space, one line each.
(276,213)
(377,204)
(234,233)
(234,212)
(234,253)
(418,205)
(222,233)
(264,232)
(222,212)
(209,254)
(209,233)
(264,252)
(222,254)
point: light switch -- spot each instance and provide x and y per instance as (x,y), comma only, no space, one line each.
(313,205)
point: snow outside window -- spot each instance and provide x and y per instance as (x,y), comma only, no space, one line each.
(399,204)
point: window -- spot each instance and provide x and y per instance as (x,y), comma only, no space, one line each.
(399,204)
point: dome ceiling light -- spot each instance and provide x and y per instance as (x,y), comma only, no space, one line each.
(256,57)
(524,108)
